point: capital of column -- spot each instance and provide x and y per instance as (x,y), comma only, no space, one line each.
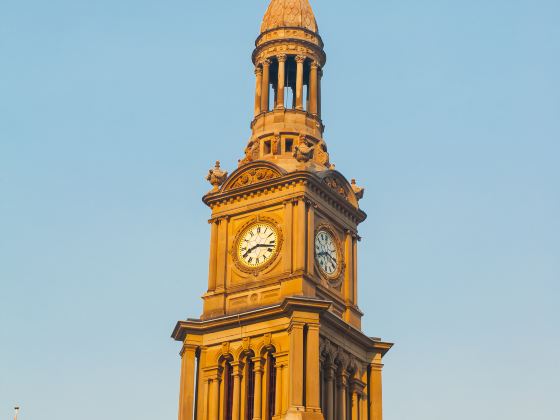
(213,374)
(377,366)
(300,58)
(237,368)
(295,325)
(282,58)
(188,348)
(357,386)
(330,371)
(266,62)
(342,381)
(258,70)
(315,65)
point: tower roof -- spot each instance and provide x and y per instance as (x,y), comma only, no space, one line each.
(289,13)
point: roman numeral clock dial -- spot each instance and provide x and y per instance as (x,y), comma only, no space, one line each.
(258,245)
(327,255)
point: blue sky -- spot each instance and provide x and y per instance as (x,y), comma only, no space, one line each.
(111,113)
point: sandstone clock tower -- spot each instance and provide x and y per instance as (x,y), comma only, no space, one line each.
(280,336)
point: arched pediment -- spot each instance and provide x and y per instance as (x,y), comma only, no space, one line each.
(340,185)
(252,173)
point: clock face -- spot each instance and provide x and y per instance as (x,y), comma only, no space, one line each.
(258,244)
(326,253)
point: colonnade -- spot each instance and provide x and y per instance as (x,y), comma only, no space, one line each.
(307,72)
(344,397)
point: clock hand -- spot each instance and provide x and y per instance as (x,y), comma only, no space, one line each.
(255,247)
(250,250)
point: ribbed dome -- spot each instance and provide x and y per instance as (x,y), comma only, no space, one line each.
(289,13)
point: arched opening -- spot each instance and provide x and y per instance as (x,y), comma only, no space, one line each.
(250,390)
(271,386)
(228,391)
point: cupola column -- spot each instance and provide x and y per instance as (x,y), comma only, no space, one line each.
(319,87)
(300,59)
(281,80)
(258,89)
(265,89)
(313,87)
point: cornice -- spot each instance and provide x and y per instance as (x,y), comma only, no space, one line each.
(285,309)
(290,28)
(293,178)
(321,55)
(371,343)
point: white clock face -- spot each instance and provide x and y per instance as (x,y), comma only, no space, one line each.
(258,244)
(326,253)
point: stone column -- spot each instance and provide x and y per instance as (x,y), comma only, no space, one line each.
(300,59)
(313,376)
(186,395)
(296,365)
(281,80)
(258,89)
(213,255)
(310,238)
(237,375)
(355,268)
(265,90)
(288,218)
(222,244)
(349,271)
(281,383)
(319,92)
(355,401)
(214,397)
(301,236)
(313,88)
(257,410)
(341,400)
(330,375)
(375,390)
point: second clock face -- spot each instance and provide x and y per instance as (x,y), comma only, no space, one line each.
(258,244)
(326,253)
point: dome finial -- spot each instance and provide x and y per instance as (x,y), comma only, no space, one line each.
(289,14)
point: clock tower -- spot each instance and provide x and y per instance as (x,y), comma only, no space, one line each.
(280,335)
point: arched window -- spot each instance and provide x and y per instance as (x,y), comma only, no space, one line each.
(271,391)
(250,389)
(228,391)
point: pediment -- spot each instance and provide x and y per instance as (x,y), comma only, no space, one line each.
(340,185)
(252,173)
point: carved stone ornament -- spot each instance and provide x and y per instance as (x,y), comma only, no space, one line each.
(253,176)
(216,177)
(251,153)
(303,152)
(321,156)
(337,186)
(357,190)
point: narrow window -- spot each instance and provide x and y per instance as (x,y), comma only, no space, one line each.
(228,415)
(271,386)
(289,145)
(267,147)
(250,390)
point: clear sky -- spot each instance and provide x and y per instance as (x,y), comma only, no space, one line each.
(111,113)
